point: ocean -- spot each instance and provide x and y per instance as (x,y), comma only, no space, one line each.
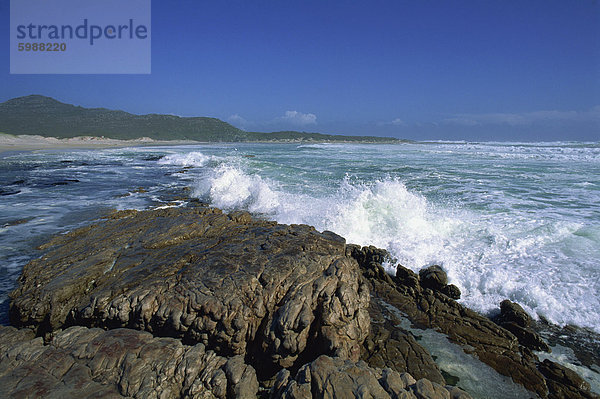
(505,220)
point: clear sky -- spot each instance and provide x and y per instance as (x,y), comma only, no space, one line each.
(451,70)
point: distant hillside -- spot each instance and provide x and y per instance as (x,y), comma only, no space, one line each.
(45,116)
(295,136)
(48,117)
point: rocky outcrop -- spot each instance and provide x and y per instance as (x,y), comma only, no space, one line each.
(435,278)
(275,294)
(564,383)
(513,318)
(428,308)
(390,346)
(84,363)
(198,303)
(328,377)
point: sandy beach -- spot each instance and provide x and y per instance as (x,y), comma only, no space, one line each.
(10,143)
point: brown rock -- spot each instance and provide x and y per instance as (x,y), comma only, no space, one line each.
(388,345)
(564,383)
(279,295)
(517,321)
(328,377)
(512,312)
(478,335)
(433,277)
(85,363)
(425,389)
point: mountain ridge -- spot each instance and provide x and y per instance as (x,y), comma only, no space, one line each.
(45,116)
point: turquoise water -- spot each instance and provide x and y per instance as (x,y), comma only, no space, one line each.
(518,221)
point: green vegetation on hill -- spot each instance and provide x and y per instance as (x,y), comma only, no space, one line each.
(303,136)
(45,116)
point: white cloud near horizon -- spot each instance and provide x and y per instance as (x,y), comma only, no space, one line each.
(398,122)
(394,122)
(298,118)
(239,121)
(525,118)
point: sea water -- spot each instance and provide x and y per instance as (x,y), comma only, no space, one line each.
(505,220)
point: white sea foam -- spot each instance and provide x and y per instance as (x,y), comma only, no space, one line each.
(490,257)
(185,159)
(228,187)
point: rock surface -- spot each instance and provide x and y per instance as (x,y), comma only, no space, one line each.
(203,304)
(82,362)
(517,321)
(564,383)
(390,346)
(478,335)
(328,377)
(278,295)
(433,277)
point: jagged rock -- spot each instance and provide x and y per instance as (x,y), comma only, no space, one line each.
(517,321)
(407,278)
(584,343)
(457,393)
(433,277)
(512,312)
(564,383)
(388,345)
(279,295)
(477,334)
(451,291)
(83,363)
(328,377)
(527,337)
(425,389)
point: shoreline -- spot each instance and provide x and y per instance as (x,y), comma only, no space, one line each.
(425,301)
(17,143)
(392,298)
(10,143)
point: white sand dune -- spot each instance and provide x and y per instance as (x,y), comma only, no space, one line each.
(10,142)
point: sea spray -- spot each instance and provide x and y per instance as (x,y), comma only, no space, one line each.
(193,158)
(489,255)
(505,220)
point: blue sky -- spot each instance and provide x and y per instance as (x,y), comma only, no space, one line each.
(450,70)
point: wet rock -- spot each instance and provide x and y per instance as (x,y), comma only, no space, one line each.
(407,278)
(82,362)
(513,318)
(425,389)
(278,295)
(153,157)
(64,182)
(478,335)
(328,377)
(451,291)
(512,312)
(527,337)
(565,383)
(433,277)
(8,191)
(457,393)
(584,342)
(388,345)
(15,222)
